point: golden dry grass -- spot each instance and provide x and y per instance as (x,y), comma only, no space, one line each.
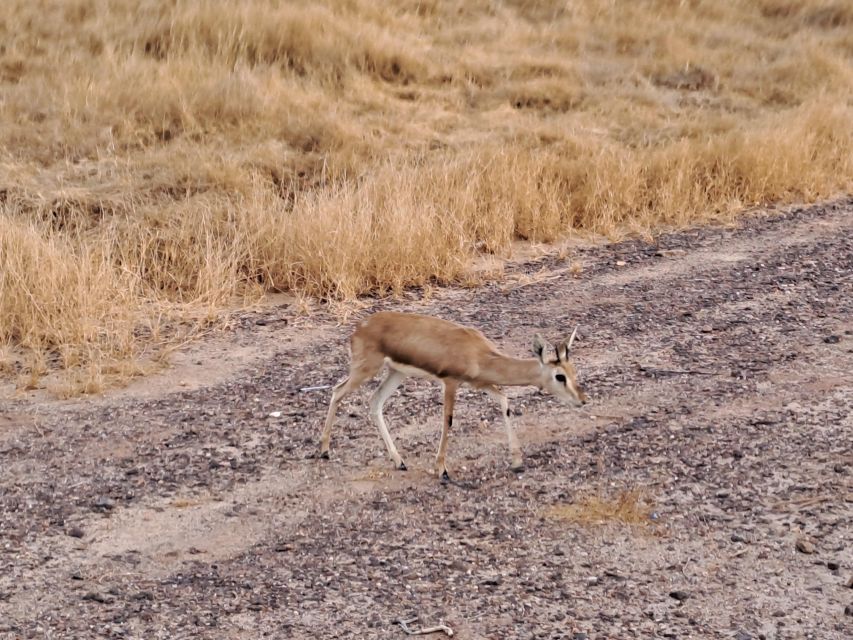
(628,506)
(163,159)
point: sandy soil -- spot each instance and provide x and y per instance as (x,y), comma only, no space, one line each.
(720,369)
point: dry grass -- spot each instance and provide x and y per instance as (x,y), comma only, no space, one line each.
(629,506)
(162,160)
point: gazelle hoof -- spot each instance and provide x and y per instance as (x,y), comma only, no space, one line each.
(402,466)
(517,467)
(445,477)
(323,455)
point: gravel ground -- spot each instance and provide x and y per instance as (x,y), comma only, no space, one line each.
(719,367)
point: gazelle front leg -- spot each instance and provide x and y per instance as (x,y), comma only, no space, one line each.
(514,448)
(450,387)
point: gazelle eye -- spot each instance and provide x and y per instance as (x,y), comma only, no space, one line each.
(561,378)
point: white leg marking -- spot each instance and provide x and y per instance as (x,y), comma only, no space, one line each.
(512,439)
(377,402)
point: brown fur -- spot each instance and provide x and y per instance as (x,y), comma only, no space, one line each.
(425,342)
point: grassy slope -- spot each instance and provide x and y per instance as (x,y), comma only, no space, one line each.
(156,162)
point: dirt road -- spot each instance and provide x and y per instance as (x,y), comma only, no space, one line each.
(720,367)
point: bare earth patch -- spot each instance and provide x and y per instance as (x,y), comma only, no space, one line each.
(720,369)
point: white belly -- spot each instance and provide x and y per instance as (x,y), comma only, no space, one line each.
(409,370)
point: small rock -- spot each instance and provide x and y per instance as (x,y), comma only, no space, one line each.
(805,546)
(848,610)
(742,635)
(832,339)
(580,636)
(832,566)
(97,597)
(75,532)
(275,414)
(736,537)
(722,493)
(681,596)
(850,583)
(839,468)
(491,580)
(621,263)
(706,328)
(103,504)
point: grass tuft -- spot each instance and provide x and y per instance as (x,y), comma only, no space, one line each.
(629,506)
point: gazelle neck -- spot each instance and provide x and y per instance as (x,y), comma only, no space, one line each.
(517,372)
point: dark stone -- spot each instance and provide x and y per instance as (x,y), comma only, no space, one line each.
(681,596)
(102,503)
(93,596)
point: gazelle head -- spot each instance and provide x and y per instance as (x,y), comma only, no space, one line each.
(556,374)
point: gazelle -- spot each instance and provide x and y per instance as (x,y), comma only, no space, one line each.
(423,346)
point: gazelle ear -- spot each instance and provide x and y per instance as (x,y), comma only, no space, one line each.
(565,346)
(541,348)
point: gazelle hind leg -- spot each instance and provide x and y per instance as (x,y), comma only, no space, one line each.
(450,387)
(377,402)
(358,375)
(517,463)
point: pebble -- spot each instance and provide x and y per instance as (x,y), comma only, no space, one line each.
(681,596)
(94,596)
(832,566)
(492,580)
(104,504)
(805,546)
(742,635)
(75,532)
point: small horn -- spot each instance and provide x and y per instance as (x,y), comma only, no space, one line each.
(572,339)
